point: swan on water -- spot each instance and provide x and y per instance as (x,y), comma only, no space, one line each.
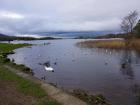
(49,69)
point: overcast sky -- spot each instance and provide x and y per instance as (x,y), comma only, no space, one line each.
(25,16)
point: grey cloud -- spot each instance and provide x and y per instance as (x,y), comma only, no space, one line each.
(65,15)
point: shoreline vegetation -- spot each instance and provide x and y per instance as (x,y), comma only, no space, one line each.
(119,44)
(6,49)
(28,91)
(98,99)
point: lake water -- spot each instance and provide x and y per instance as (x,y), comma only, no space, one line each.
(98,71)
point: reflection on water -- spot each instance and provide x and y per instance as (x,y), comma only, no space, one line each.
(115,74)
(126,64)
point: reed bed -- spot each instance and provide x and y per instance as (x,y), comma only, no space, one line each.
(111,44)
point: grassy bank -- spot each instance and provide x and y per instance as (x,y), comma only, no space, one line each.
(6,49)
(111,44)
(23,87)
(29,92)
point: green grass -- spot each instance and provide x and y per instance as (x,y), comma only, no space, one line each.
(8,48)
(23,85)
(26,86)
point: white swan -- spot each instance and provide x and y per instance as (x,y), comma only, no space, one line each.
(49,69)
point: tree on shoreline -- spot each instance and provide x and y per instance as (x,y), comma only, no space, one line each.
(129,22)
(137,29)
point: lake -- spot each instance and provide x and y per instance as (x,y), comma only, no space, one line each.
(98,71)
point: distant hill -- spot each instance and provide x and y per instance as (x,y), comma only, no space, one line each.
(3,35)
(74,34)
(11,38)
(63,34)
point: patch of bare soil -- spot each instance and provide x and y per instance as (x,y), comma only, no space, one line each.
(9,95)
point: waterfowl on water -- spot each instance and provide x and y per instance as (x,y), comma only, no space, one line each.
(48,67)
(123,65)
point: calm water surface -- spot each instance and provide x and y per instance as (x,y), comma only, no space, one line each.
(94,70)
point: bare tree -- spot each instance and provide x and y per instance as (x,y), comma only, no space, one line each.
(129,22)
